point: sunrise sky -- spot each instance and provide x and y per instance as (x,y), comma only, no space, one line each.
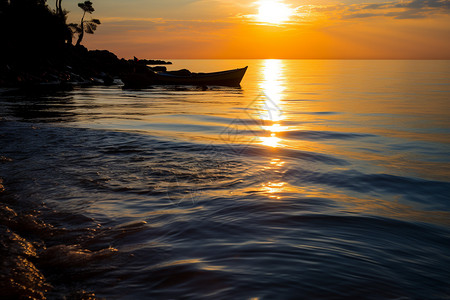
(324,29)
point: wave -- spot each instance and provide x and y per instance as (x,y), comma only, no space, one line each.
(433,193)
(324,135)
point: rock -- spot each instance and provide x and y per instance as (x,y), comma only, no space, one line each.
(159,69)
(19,277)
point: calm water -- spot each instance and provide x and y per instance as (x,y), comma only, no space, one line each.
(315,179)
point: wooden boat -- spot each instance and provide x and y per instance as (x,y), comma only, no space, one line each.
(223,78)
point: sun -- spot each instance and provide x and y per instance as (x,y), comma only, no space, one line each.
(273,12)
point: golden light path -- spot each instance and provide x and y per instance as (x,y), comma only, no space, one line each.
(271,115)
(271,112)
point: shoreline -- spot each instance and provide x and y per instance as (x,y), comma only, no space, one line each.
(28,259)
(41,253)
(74,66)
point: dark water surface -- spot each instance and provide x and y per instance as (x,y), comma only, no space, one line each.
(315,179)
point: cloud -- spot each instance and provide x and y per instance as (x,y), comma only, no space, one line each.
(418,4)
(375,6)
(125,34)
(413,9)
(360,15)
(401,10)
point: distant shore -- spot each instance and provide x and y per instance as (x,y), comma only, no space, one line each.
(75,65)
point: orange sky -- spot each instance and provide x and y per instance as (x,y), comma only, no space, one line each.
(417,29)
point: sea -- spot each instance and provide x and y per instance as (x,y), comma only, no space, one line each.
(315,179)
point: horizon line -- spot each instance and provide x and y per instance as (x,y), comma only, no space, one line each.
(298,58)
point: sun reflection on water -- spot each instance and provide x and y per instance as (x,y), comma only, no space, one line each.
(273,188)
(273,84)
(270,117)
(271,141)
(270,111)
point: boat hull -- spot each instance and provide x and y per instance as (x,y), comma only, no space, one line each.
(224,78)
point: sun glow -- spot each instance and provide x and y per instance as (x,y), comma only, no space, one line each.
(273,12)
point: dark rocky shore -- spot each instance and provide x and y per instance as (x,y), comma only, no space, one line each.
(28,256)
(19,276)
(38,49)
(74,65)
(42,259)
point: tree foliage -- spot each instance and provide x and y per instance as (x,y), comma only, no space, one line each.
(86,6)
(30,30)
(85,26)
(29,27)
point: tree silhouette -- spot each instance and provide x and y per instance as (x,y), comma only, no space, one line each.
(28,28)
(88,26)
(59,10)
(61,15)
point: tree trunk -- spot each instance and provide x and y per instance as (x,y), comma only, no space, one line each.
(80,37)
(60,9)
